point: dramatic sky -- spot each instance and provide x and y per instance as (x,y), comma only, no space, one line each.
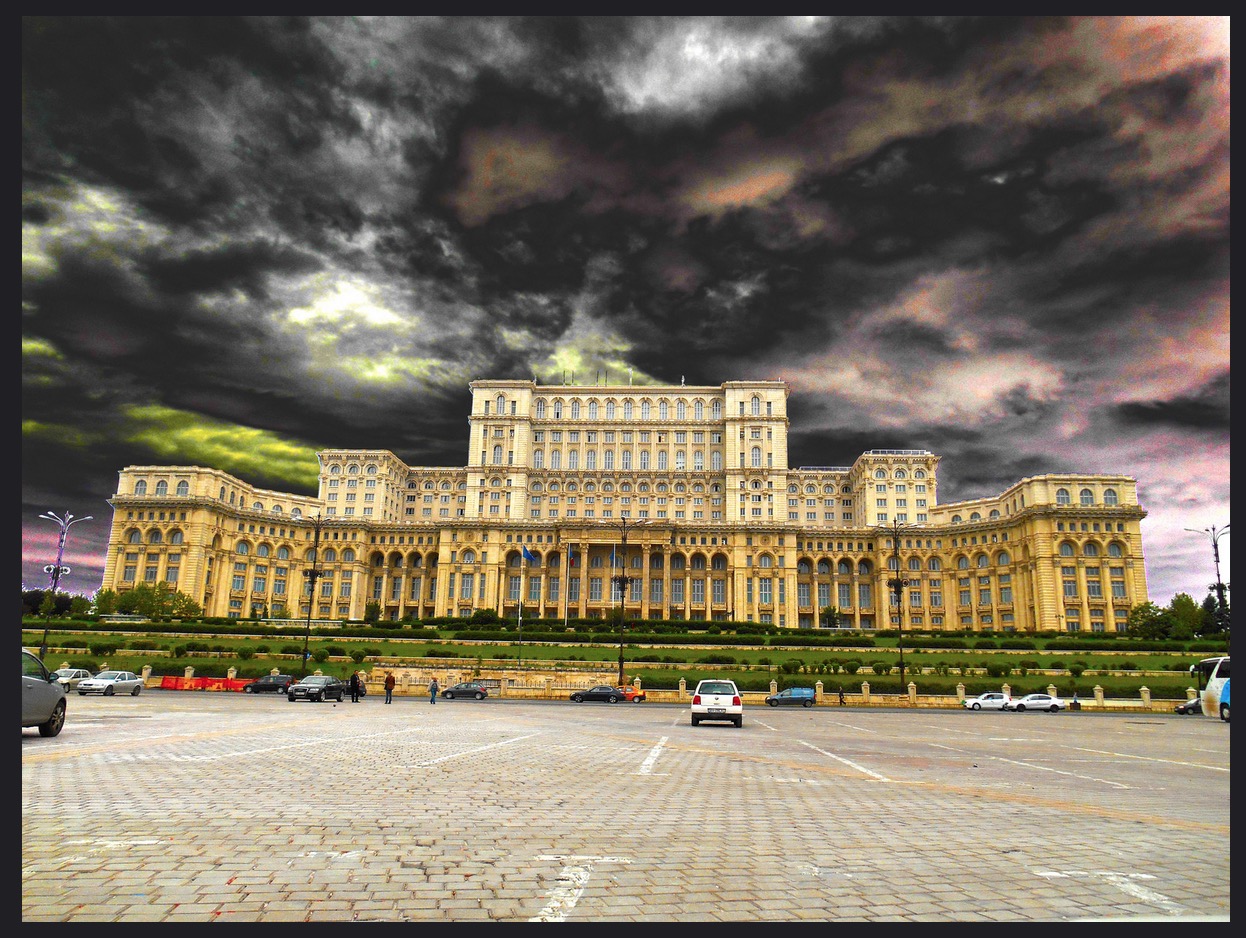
(1003,240)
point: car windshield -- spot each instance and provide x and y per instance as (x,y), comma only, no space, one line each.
(108,675)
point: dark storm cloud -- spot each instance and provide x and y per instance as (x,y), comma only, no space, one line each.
(997,238)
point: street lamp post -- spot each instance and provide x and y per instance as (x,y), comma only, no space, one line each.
(897,584)
(621,581)
(312,575)
(1215,534)
(56,569)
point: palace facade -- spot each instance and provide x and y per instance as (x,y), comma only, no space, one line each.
(674,502)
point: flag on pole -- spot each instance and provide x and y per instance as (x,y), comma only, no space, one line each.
(528,555)
(571,558)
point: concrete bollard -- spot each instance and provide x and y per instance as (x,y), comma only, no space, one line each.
(817,692)
(231,673)
(960,693)
(683,688)
(912,694)
(189,672)
(774,686)
(1146,696)
(1051,690)
(865,691)
(1099,695)
(146,673)
(1007,690)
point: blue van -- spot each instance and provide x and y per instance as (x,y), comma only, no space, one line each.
(794,696)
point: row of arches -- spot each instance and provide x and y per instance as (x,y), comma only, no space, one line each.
(663,408)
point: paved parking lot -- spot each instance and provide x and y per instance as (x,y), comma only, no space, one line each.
(197,807)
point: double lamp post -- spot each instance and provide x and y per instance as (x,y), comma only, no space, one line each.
(312,575)
(56,569)
(622,581)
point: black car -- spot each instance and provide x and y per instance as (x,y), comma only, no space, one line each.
(1194,706)
(317,687)
(269,684)
(466,689)
(601,692)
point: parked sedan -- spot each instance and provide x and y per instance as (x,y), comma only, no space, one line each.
(269,684)
(630,693)
(109,683)
(70,677)
(793,697)
(1036,702)
(989,701)
(601,692)
(43,697)
(1191,706)
(466,689)
(317,687)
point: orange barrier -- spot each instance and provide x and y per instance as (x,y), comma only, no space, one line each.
(203,683)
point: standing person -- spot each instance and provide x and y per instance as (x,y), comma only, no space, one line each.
(354,687)
(841,696)
(389,686)
(432,691)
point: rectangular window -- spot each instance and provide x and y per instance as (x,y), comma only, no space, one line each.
(720,591)
(866,596)
(824,595)
(573,590)
(534,589)
(698,592)
(553,589)
(677,592)
(512,588)
(845,595)
(469,584)
(594,589)
(802,594)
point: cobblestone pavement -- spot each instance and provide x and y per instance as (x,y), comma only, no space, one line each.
(201,807)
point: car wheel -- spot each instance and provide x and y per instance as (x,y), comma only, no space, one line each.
(447,696)
(479,695)
(1224,712)
(55,722)
(82,693)
(247,690)
(577,698)
(638,699)
(290,697)
(807,703)
(1020,708)
(696,720)
(138,690)
(613,699)
(773,703)
(108,691)
(1054,707)
(976,706)
(739,722)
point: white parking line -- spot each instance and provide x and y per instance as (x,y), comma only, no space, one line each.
(1125,883)
(469,752)
(646,767)
(847,762)
(1126,755)
(571,882)
(1041,768)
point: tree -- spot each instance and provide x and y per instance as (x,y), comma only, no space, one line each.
(79,606)
(105,602)
(829,617)
(372,612)
(1149,621)
(1187,617)
(48,606)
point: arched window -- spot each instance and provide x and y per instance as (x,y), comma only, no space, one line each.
(681,461)
(348,556)
(1066,549)
(243,548)
(664,410)
(802,567)
(592,410)
(555,460)
(844,568)
(538,459)
(698,410)
(957,519)
(262,550)
(717,410)
(975,516)
(257,506)
(756,411)
(334,470)
(1002,559)
(755,457)
(296,514)
(500,405)
(655,562)
(934,564)
(662,459)
(557,410)
(901,474)
(330,555)
(1110,497)
(540,410)
(765,561)
(644,459)
(864,568)
(176,537)
(575,410)
(681,410)
(135,538)
(1062,497)
(371,470)
(154,537)
(222,495)
(824,567)
(162,487)
(1115,549)
(140,488)
(609,410)
(915,563)
(1091,550)
(919,473)
(982,560)
(698,461)
(1088,497)
(283,553)
(627,410)
(962,563)
(994,513)
(469,556)
(497,455)
(677,562)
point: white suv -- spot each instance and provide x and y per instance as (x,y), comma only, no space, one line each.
(717,700)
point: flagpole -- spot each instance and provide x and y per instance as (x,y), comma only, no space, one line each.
(522,577)
(566,593)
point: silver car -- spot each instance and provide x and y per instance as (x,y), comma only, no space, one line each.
(988,701)
(43,697)
(111,682)
(71,676)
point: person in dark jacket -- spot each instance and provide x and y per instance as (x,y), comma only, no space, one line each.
(432,691)
(354,687)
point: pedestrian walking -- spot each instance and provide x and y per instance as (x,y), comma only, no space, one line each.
(432,691)
(389,686)
(354,687)
(841,696)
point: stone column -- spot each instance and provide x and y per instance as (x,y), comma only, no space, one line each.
(231,673)
(190,672)
(774,686)
(1099,695)
(912,694)
(817,692)
(147,673)
(683,688)
(1006,688)
(960,693)
(1146,697)
(1051,689)
(865,691)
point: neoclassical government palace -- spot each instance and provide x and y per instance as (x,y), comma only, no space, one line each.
(675,502)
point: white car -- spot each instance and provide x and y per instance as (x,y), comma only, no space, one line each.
(1036,702)
(717,700)
(70,677)
(43,697)
(111,682)
(989,701)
